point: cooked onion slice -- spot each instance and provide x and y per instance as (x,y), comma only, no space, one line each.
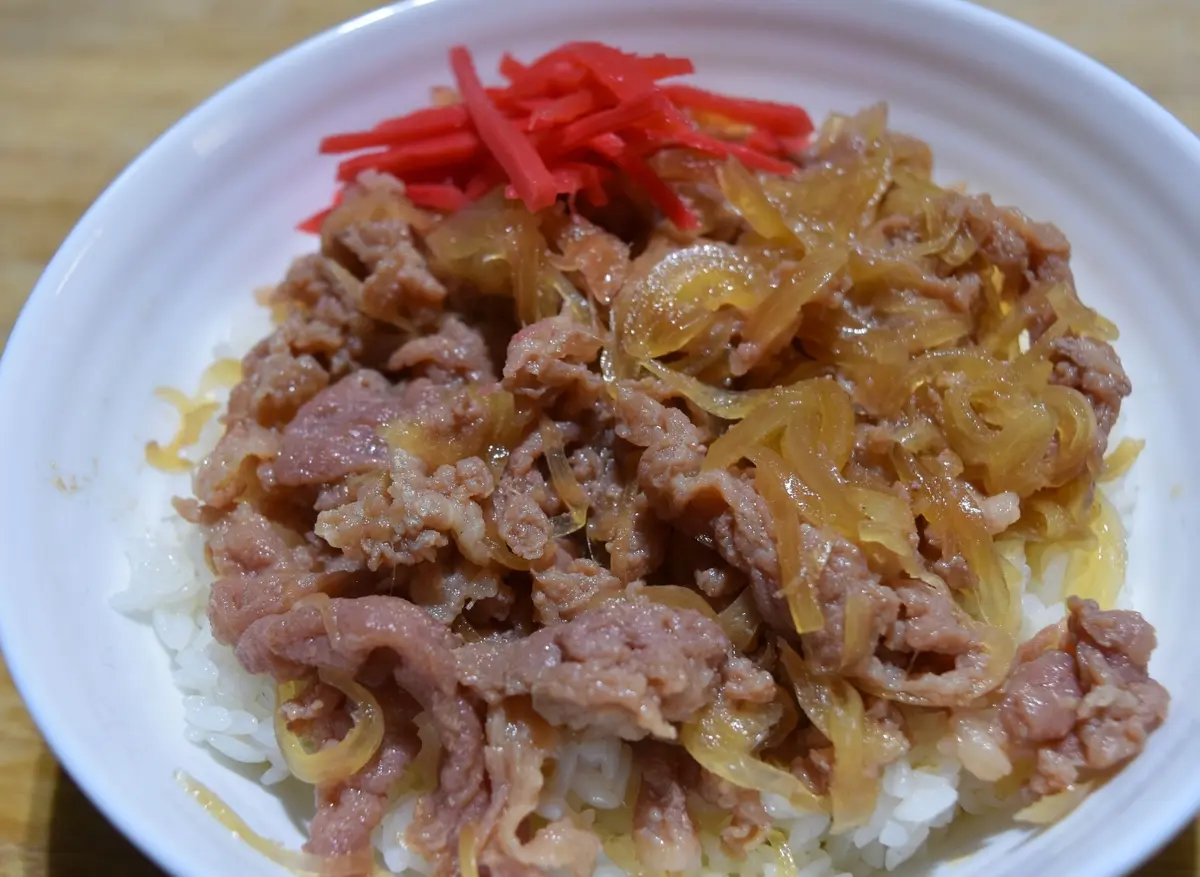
(726,404)
(468,864)
(835,707)
(955,518)
(758,427)
(723,741)
(776,319)
(1121,460)
(1096,567)
(745,193)
(797,582)
(678,597)
(301,864)
(346,757)
(661,312)
(193,415)
(1052,808)
(740,620)
(564,481)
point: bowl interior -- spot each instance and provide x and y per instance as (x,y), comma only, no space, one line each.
(162,270)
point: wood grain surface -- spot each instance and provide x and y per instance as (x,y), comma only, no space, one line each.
(86,84)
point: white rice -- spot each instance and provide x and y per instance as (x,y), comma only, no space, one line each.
(230,711)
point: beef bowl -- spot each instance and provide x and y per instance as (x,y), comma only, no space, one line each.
(615,437)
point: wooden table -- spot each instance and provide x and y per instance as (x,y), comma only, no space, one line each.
(86,84)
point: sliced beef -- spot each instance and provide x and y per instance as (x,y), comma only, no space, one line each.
(596,469)
(663,832)
(552,358)
(455,351)
(519,744)
(1093,368)
(562,592)
(1012,241)
(933,653)
(716,506)
(746,682)
(857,608)
(1041,698)
(348,810)
(718,581)
(407,514)
(1080,702)
(1121,704)
(342,635)
(446,589)
(599,260)
(263,568)
(401,291)
(320,301)
(522,504)
(275,383)
(240,599)
(638,543)
(337,433)
(623,669)
(373,220)
(929,623)
(229,472)
(371,235)
(749,821)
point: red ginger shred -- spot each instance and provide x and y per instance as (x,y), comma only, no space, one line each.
(563,124)
(504,141)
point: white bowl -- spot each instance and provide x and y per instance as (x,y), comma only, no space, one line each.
(154,275)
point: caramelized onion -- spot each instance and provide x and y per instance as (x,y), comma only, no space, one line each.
(346,757)
(838,197)
(955,518)
(1122,458)
(1007,455)
(1052,808)
(678,597)
(527,247)
(726,404)
(193,415)
(1057,514)
(724,741)
(660,312)
(468,865)
(797,582)
(1076,428)
(300,864)
(421,776)
(774,322)
(1096,567)
(1077,318)
(817,406)
(499,426)
(565,484)
(886,526)
(758,427)
(746,195)
(474,246)
(835,707)
(826,502)
(222,374)
(740,620)
(497,247)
